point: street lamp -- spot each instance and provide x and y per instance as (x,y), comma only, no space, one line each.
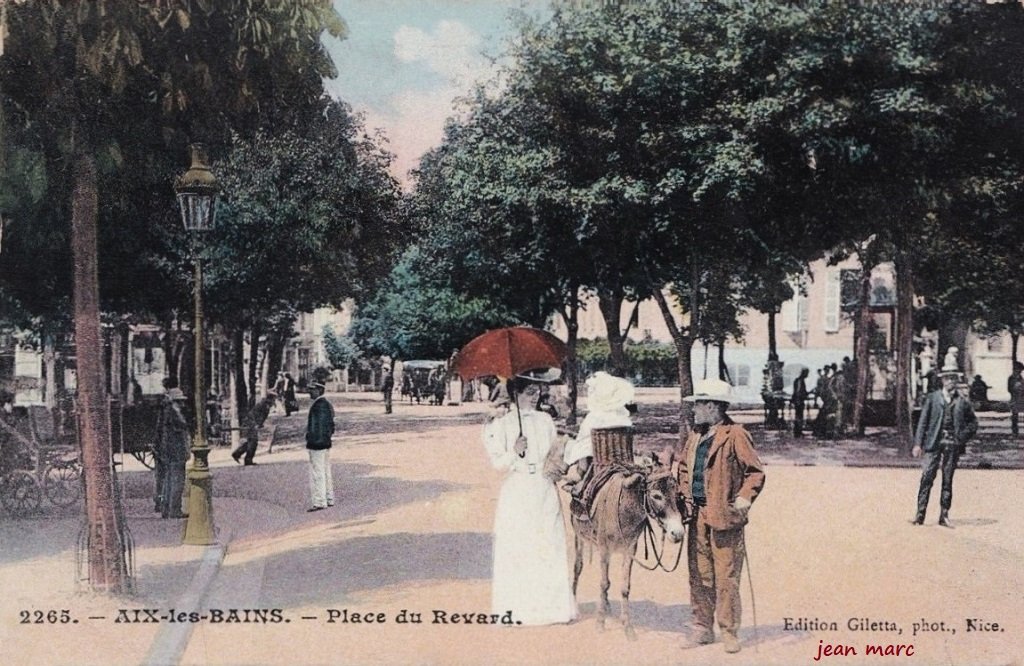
(197,197)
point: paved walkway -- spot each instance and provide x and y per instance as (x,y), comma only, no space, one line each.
(828,541)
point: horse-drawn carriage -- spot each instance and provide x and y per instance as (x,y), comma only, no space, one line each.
(424,380)
(37,459)
(40,454)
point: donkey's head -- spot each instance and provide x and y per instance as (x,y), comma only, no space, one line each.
(662,492)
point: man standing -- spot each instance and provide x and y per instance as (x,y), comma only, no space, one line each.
(387,387)
(799,400)
(174,449)
(319,428)
(1015,386)
(720,476)
(251,425)
(946,424)
(159,469)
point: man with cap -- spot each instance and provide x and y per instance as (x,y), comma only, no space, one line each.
(251,425)
(946,424)
(720,476)
(173,451)
(319,429)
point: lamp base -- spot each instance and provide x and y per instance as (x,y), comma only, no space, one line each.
(199,530)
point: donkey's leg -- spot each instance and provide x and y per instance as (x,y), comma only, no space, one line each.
(577,566)
(628,552)
(603,606)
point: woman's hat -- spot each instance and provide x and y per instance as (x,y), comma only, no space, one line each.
(715,390)
(606,393)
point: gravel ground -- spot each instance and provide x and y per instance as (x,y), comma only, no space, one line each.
(828,541)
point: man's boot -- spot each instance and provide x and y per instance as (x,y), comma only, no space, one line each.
(730,643)
(698,636)
(944,518)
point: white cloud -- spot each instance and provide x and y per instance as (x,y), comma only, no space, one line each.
(451,50)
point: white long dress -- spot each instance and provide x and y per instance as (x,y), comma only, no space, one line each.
(531,576)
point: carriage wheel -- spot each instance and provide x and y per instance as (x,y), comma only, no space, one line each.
(144,457)
(63,483)
(20,493)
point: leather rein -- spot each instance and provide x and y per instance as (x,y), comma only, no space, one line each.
(648,529)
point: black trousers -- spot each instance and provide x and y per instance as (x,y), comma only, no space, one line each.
(798,419)
(946,458)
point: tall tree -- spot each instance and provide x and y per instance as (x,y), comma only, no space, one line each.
(81,72)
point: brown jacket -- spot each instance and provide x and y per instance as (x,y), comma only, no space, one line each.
(732,470)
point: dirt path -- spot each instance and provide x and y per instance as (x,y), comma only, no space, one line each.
(412,532)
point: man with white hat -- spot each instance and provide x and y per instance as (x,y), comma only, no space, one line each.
(720,476)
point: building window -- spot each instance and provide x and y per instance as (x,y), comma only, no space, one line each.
(832,304)
(794,314)
(739,374)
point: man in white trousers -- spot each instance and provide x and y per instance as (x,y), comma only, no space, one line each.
(319,428)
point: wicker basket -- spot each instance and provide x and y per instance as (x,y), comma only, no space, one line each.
(612,445)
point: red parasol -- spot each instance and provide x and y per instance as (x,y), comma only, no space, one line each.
(507,352)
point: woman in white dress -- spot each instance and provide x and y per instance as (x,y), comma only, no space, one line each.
(531,576)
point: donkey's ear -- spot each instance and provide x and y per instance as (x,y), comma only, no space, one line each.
(632,480)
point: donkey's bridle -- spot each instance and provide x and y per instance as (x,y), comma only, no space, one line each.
(649,481)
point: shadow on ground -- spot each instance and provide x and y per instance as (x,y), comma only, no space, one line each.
(368,563)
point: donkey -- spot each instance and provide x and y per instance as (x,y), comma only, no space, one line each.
(620,510)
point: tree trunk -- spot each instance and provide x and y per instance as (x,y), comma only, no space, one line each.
(773,347)
(1014,337)
(106,546)
(238,367)
(275,352)
(904,348)
(572,368)
(611,306)
(254,361)
(862,352)
(723,369)
(684,349)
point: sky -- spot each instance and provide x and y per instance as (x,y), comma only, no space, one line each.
(405,62)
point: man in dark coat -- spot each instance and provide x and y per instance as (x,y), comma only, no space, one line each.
(174,451)
(1015,387)
(319,429)
(387,387)
(946,424)
(251,425)
(799,400)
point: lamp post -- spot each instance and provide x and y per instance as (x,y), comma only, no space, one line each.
(197,195)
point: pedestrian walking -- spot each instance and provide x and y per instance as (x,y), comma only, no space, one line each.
(251,424)
(799,401)
(946,424)
(530,575)
(319,429)
(174,451)
(291,404)
(278,389)
(720,476)
(387,388)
